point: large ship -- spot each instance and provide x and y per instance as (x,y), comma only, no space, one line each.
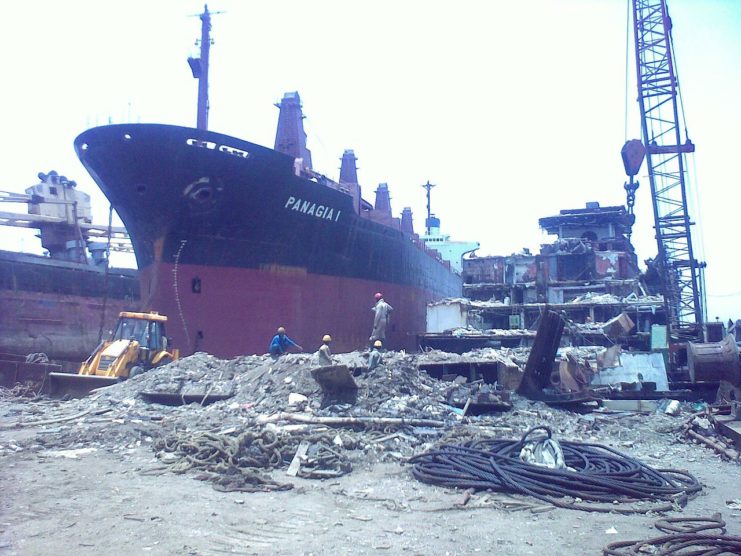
(233,239)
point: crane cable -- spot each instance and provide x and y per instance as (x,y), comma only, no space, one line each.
(627,63)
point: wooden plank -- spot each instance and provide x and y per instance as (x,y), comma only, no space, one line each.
(730,428)
(641,406)
(296,461)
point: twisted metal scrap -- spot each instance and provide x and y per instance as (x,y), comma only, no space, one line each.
(692,538)
(230,463)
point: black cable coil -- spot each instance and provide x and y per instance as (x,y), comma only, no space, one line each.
(688,536)
(600,474)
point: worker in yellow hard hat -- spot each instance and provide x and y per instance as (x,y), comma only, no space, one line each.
(324,354)
(280,343)
(375,358)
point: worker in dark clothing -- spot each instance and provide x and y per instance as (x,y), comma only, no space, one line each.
(280,343)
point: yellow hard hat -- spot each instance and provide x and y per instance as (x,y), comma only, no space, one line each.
(377,344)
(281,330)
(327,338)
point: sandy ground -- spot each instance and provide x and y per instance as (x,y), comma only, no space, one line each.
(109,502)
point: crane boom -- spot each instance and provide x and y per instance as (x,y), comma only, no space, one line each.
(667,167)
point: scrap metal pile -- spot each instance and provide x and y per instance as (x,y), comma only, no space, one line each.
(271,414)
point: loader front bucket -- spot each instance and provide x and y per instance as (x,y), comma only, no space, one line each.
(77,386)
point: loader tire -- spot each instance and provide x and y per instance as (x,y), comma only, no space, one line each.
(136,371)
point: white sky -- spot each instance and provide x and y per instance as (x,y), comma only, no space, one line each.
(514,109)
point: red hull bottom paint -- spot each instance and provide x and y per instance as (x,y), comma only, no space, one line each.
(238,310)
(65,327)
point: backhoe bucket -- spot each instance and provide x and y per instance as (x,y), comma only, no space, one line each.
(77,386)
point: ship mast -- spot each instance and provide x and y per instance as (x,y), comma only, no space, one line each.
(199,67)
(428,223)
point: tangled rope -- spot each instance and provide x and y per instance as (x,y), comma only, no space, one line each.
(18,391)
(231,463)
(596,473)
(691,524)
(692,537)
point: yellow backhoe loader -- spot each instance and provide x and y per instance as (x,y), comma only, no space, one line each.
(137,344)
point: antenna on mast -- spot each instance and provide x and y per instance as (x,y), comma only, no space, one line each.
(428,186)
(199,67)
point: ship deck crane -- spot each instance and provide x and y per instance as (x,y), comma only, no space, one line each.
(667,145)
(69,224)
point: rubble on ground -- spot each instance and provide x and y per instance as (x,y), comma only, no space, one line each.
(379,426)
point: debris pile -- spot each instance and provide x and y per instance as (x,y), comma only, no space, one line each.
(702,427)
(272,417)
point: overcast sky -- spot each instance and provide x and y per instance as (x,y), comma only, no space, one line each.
(514,109)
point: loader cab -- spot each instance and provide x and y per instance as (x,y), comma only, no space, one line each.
(147,331)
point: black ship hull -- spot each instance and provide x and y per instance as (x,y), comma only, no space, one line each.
(231,243)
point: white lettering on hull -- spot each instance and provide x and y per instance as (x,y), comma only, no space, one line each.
(312,209)
(210,145)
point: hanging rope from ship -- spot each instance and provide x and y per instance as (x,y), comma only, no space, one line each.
(177,290)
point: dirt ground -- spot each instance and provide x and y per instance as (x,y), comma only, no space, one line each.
(120,501)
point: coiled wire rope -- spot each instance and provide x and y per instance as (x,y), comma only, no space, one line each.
(688,536)
(594,473)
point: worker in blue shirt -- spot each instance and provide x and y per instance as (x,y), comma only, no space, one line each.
(281,343)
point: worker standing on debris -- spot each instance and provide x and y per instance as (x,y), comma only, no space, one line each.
(281,343)
(382,312)
(375,357)
(324,354)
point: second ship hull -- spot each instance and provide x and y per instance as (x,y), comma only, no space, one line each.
(231,244)
(59,308)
